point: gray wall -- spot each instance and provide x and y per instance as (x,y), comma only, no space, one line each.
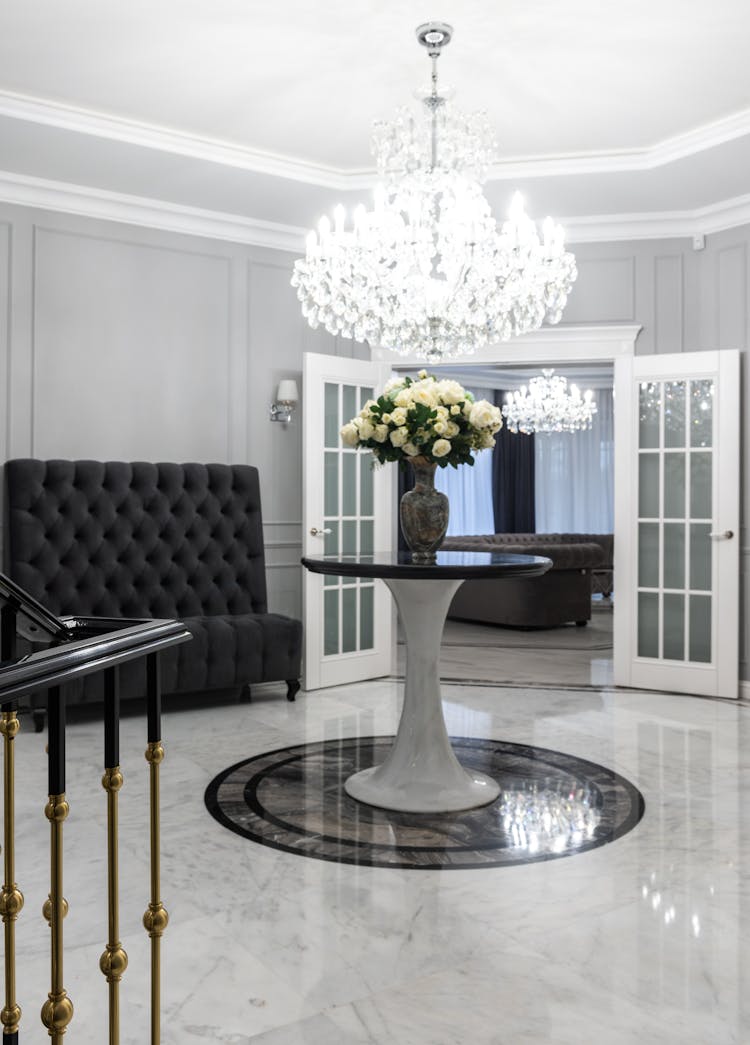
(124,343)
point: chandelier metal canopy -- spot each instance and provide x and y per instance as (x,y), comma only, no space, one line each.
(428,272)
(547,405)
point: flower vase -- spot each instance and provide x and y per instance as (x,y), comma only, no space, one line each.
(424,512)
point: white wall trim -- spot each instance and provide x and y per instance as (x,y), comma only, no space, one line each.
(156,214)
(86,201)
(152,136)
(561,344)
(678,224)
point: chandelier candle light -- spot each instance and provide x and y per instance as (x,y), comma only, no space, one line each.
(548,406)
(427,423)
(427,272)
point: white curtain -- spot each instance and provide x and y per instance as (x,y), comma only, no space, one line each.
(574,475)
(469,490)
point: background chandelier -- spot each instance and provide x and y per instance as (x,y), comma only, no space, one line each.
(548,406)
(428,272)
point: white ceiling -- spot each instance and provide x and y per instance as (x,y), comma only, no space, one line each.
(262,111)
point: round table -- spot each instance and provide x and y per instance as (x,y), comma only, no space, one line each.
(421,773)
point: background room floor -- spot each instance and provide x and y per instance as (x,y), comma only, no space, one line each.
(566,656)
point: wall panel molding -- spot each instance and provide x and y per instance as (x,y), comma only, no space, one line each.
(731,296)
(130,352)
(669,298)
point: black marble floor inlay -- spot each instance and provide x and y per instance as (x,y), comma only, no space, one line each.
(551,805)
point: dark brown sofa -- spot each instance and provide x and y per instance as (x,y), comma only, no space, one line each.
(560,596)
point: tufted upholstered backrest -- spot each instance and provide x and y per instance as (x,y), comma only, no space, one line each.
(117,539)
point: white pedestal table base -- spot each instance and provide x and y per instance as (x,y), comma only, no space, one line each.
(422,774)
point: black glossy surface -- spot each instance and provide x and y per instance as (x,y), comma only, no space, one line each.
(447,564)
(551,805)
(94,644)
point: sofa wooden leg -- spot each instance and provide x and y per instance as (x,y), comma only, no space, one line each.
(292,687)
(246,694)
(581,623)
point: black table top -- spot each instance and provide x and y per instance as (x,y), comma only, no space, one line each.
(448,564)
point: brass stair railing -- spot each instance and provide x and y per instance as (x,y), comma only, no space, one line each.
(76,648)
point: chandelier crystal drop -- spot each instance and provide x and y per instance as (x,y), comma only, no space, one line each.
(548,405)
(427,272)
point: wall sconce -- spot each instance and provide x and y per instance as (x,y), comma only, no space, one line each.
(286,400)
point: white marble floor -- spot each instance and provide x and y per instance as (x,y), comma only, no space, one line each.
(645,940)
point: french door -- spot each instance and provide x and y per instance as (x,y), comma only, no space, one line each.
(348,509)
(677,445)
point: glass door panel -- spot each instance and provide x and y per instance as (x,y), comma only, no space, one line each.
(674,483)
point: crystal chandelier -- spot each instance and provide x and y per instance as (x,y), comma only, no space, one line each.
(547,405)
(427,272)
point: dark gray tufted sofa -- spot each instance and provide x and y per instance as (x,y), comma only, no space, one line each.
(561,595)
(185,541)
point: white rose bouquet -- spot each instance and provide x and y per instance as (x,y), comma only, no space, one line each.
(438,421)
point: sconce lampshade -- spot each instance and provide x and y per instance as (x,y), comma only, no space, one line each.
(287,392)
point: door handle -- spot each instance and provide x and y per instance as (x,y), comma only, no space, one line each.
(315,532)
(725,535)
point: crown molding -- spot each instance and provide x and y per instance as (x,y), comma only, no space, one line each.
(156,214)
(163,139)
(615,161)
(152,136)
(90,202)
(678,224)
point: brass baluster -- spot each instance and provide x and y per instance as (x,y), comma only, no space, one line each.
(11,898)
(114,960)
(155,919)
(57,1011)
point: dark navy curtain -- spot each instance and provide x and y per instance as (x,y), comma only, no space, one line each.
(513,480)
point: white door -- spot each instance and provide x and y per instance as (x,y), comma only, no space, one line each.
(348,509)
(677,445)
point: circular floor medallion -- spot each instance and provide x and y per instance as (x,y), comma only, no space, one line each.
(551,805)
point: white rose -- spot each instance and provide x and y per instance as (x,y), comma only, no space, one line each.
(452,429)
(482,414)
(442,413)
(423,393)
(403,398)
(440,448)
(365,411)
(486,440)
(455,410)
(366,428)
(393,384)
(450,392)
(380,434)
(386,419)
(399,437)
(422,374)
(439,427)
(349,434)
(398,417)
(410,449)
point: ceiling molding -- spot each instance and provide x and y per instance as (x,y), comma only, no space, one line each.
(152,136)
(90,202)
(616,161)
(156,214)
(678,224)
